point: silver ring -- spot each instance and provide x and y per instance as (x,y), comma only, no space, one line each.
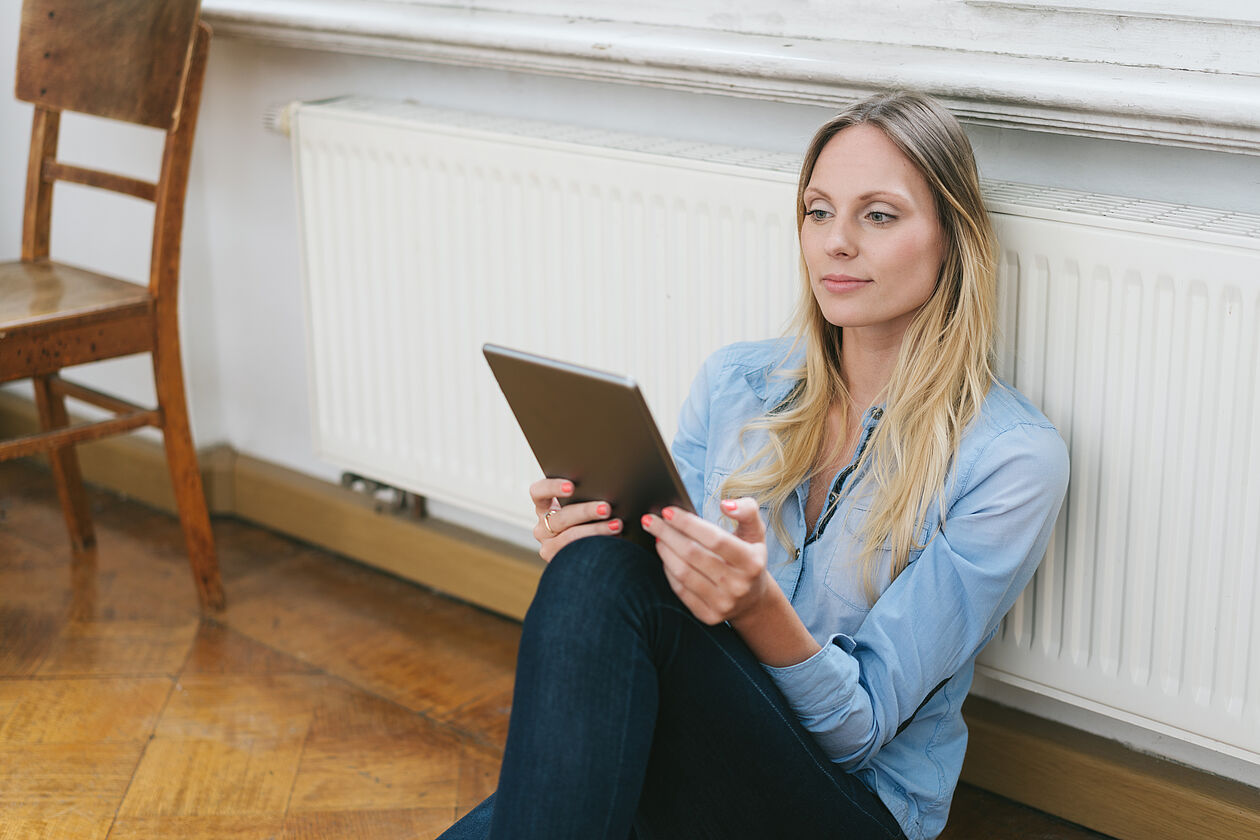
(547,524)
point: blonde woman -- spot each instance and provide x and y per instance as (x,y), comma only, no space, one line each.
(792,663)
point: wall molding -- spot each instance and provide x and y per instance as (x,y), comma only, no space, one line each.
(1084,778)
(1203,110)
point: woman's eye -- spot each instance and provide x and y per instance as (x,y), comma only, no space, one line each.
(817,214)
(879,217)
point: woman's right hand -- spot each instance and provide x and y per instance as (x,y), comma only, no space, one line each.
(558,525)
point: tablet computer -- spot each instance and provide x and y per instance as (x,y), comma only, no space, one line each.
(593,428)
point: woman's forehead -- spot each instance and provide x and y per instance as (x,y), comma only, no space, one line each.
(861,161)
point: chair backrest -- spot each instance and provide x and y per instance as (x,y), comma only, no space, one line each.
(138,61)
(122,59)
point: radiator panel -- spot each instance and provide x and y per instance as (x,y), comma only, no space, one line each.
(1134,325)
(1142,348)
(425,239)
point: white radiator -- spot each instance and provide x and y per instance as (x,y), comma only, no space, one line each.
(1136,326)
(427,233)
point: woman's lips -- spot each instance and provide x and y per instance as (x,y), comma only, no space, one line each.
(842,282)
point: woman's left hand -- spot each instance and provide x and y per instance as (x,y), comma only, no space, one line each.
(718,575)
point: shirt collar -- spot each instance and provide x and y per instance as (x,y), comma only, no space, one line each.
(772,388)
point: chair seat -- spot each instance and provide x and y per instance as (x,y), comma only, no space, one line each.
(36,295)
(55,316)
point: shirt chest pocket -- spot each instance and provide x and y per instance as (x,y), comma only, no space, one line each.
(845,576)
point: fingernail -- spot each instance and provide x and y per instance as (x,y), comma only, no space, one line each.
(646,521)
(668,513)
(729,504)
(567,487)
(601,509)
(614,526)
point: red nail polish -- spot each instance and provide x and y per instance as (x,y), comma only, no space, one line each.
(668,513)
(646,521)
(729,504)
(567,487)
(601,510)
(614,526)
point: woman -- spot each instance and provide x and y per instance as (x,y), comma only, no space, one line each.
(805,682)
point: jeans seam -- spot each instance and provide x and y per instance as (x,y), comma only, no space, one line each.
(857,805)
(625,726)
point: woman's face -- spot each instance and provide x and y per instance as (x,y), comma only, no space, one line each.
(871,239)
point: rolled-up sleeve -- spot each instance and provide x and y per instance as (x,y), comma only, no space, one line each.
(944,607)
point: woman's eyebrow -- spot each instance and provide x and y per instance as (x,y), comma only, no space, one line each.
(899,197)
(867,196)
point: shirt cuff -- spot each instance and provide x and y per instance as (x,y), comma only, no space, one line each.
(821,685)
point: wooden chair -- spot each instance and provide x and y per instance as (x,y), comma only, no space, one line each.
(143,62)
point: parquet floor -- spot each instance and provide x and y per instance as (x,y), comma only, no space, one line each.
(328,701)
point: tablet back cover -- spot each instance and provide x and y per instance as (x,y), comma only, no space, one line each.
(593,428)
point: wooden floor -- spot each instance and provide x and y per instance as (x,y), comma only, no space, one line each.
(328,701)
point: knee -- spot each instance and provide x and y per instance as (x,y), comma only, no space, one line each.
(598,573)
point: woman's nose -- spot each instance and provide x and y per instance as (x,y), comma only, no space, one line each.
(841,240)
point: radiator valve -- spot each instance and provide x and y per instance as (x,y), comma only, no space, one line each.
(385,497)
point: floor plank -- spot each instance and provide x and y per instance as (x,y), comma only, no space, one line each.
(26,635)
(123,647)
(408,824)
(229,777)
(80,710)
(478,776)
(80,821)
(379,772)
(252,827)
(238,708)
(218,649)
(57,778)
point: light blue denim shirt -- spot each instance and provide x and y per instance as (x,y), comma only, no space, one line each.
(884,695)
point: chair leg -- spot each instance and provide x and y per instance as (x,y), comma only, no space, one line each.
(190,497)
(65,468)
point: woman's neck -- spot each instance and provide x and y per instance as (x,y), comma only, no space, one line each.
(868,360)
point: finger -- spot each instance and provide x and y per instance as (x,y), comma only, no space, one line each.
(695,591)
(746,514)
(700,558)
(549,548)
(561,519)
(570,516)
(545,491)
(725,545)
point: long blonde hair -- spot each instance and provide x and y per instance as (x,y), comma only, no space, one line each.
(943,370)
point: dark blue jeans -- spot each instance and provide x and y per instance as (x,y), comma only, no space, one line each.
(631,719)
